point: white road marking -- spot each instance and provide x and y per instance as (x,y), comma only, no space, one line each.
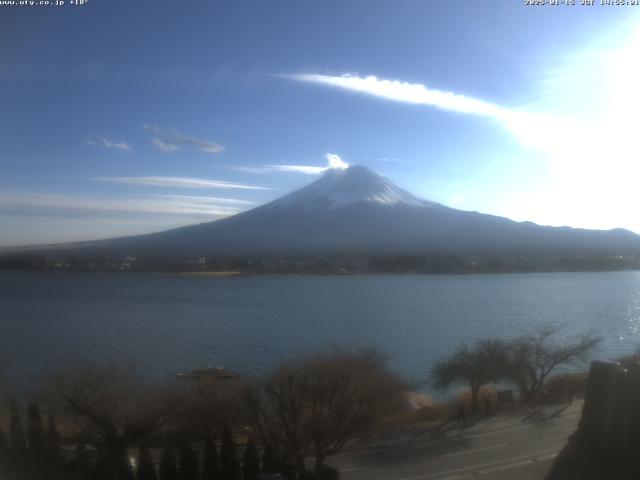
(465,452)
(355,469)
(495,432)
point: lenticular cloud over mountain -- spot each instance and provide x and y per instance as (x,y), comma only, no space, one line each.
(335,161)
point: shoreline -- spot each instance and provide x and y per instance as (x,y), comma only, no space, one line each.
(235,273)
(229,273)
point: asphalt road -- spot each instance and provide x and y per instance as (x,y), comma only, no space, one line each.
(519,445)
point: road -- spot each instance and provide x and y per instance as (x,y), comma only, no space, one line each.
(507,446)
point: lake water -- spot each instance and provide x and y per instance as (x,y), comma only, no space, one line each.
(168,323)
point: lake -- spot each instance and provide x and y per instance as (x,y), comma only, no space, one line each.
(169,323)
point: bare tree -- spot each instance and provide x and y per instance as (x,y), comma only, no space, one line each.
(482,363)
(534,356)
(112,409)
(316,406)
(16,433)
(204,413)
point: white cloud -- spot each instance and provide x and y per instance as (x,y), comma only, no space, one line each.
(307,170)
(560,138)
(172,140)
(42,218)
(539,131)
(109,144)
(164,204)
(202,199)
(399,91)
(207,147)
(180,182)
(333,161)
(249,169)
(165,147)
(151,128)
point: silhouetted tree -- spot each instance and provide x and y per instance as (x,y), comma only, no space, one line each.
(210,469)
(116,407)
(168,469)
(16,434)
(80,465)
(270,461)
(124,470)
(483,363)
(4,445)
(111,467)
(146,470)
(251,461)
(53,444)
(211,408)
(288,471)
(532,357)
(4,452)
(229,468)
(35,432)
(188,463)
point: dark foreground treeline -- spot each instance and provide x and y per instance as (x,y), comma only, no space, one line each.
(41,455)
(109,424)
(327,264)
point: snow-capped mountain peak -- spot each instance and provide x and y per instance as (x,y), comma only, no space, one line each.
(341,187)
(357,211)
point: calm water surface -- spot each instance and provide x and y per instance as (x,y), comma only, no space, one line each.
(167,323)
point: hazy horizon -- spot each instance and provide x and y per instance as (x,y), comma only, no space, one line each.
(286,194)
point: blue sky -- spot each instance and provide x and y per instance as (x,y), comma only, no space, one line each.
(122,117)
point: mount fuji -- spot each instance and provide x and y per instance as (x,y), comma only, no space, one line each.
(358,211)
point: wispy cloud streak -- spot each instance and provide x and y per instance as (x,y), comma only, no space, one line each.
(406,92)
(180,182)
(543,132)
(109,144)
(172,140)
(306,169)
(165,147)
(165,204)
(333,161)
(204,199)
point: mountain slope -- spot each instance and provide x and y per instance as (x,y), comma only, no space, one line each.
(359,211)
